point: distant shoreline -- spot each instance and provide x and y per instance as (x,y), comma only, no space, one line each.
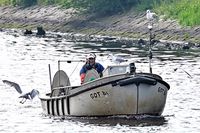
(129,25)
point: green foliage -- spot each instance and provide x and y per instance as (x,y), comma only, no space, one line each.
(104,6)
(26,3)
(143,5)
(64,3)
(23,3)
(187,12)
(5,2)
(46,2)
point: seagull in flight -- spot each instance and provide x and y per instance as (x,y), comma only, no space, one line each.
(12,84)
(183,71)
(30,95)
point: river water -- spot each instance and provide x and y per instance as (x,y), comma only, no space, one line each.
(25,59)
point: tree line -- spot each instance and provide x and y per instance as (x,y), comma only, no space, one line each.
(97,6)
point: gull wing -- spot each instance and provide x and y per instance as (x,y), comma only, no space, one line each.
(33,93)
(13,84)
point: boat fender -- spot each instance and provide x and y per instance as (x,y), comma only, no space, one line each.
(137,81)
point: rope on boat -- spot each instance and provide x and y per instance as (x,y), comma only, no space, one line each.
(74,69)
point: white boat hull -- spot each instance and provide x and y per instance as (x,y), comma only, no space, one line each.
(121,94)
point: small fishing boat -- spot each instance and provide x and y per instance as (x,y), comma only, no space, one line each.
(121,91)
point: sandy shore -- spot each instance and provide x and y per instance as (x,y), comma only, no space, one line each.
(130,24)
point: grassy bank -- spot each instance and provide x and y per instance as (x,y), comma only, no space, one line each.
(187,12)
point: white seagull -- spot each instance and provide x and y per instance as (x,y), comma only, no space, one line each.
(150,17)
(117,59)
(30,95)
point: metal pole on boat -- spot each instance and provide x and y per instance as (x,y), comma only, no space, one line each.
(150,51)
(150,18)
(70,61)
(59,71)
(58,65)
(50,76)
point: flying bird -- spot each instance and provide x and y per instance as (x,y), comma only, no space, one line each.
(30,95)
(183,71)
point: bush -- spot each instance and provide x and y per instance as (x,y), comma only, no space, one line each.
(23,3)
(187,12)
(104,6)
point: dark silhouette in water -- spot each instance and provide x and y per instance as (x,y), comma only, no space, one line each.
(28,32)
(40,31)
(30,95)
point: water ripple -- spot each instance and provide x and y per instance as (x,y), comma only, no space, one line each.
(25,59)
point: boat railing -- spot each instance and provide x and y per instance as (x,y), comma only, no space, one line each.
(65,90)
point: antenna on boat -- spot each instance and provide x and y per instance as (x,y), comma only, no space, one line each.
(50,76)
(150,17)
(59,72)
(150,49)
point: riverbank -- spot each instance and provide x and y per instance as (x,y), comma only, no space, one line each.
(130,25)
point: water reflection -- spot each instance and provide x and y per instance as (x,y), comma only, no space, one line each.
(142,120)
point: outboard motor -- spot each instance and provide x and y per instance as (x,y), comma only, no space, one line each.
(132,68)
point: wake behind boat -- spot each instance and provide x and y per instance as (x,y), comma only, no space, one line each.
(118,92)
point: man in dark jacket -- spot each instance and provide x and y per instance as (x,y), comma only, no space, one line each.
(91,64)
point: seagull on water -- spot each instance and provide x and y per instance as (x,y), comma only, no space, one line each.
(30,95)
(117,59)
